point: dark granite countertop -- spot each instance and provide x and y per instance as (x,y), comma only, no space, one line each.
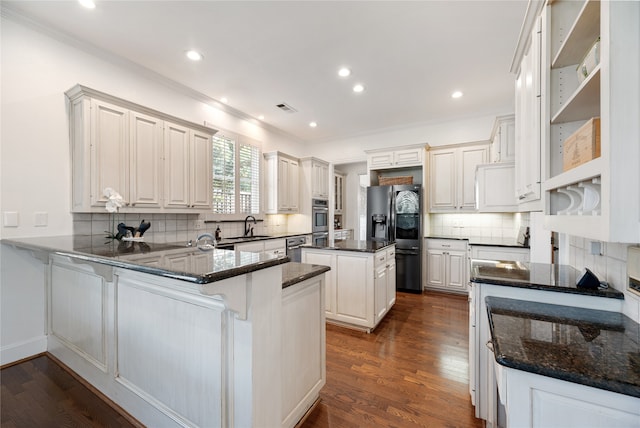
(483,241)
(240,239)
(540,276)
(368,246)
(586,346)
(195,266)
(293,273)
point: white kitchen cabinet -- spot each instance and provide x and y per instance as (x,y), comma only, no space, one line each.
(495,189)
(316,178)
(303,357)
(600,187)
(114,147)
(452,176)
(188,173)
(503,139)
(342,234)
(274,247)
(391,277)
(482,379)
(485,252)
(447,267)
(338,193)
(282,181)
(139,153)
(528,123)
(357,285)
(538,401)
(401,157)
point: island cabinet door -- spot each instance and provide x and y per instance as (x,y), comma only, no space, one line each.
(354,290)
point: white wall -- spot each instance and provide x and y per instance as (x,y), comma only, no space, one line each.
(35,162)
(351,149)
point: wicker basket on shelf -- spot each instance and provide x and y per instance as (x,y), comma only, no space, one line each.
(392,181)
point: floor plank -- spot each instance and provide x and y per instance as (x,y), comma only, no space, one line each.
(412,371)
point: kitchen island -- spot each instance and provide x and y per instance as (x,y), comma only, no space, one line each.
(178,336)
(530,282)
(361,286)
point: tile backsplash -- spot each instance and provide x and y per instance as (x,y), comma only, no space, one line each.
(489,225)
(173,227)
(611,267)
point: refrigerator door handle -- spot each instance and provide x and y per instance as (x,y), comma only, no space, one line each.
(392,221)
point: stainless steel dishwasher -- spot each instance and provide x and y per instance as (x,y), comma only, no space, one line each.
(293,248)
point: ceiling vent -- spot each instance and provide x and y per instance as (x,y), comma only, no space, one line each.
(286,108)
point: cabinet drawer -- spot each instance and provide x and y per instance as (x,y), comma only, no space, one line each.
(380,258)
(447,244)
(391,254)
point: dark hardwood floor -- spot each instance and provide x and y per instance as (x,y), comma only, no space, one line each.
(39,393)
(411,371)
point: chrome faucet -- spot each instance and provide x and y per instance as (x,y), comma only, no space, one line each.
(249,229)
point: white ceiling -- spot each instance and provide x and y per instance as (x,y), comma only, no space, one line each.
(409,55)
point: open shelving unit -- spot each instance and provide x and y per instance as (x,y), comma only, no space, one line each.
(587,200)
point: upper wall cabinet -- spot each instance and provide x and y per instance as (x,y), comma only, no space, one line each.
(135,151)
(528,124)
(187,168)
(316,173)
(591,69)
(402,157)
(452,176)
(282,178)
(503,140)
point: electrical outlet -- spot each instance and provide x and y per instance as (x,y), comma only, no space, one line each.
(40,219)
(199,224)
(10,219)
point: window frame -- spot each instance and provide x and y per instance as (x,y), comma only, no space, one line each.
(239,140)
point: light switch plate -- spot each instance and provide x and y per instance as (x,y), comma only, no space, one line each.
(10,219)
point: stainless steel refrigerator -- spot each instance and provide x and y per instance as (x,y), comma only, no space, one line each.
(394,213)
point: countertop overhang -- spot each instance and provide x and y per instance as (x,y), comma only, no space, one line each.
(539,276)
(199,267)
(586,346)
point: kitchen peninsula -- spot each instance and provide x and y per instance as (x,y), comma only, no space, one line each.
(361,285)
(178,336)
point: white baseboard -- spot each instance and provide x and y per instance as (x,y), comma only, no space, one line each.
(18,351)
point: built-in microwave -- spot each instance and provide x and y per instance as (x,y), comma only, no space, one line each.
(319,215)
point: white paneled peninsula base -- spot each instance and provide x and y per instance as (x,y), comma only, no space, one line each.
(182,337)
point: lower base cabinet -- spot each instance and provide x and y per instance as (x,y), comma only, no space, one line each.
(536,401)
(446,263)
(483,383)
(360,287)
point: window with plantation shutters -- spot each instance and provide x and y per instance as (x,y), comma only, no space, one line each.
(236,175)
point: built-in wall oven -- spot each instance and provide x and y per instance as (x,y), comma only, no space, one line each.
(319,215)
(320,239)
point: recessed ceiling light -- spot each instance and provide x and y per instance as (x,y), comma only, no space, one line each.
(224,100)
(194,55)
(89,4)
(456,94)
(344,72)
(358,88)
(313,124)
(261,117)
